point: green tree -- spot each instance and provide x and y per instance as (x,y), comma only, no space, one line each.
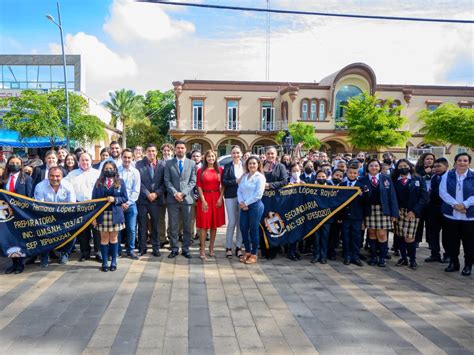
(126,106)
(36,114)
(448,124)
(142,132)
(301,133)
(373,125)
(160,109)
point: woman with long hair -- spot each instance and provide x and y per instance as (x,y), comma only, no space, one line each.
(112,221)
(249,195)
(412,197)
(210,213)
(15,180)
(382,210)
(424,168)
(70,163)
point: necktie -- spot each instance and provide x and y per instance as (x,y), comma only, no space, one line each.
(153,168)
(180,166)
(374,181)
(109,183)
(12,184)
(404,180)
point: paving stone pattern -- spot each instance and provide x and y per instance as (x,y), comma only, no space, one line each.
(180,306)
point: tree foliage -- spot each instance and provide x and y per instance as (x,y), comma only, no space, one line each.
(142,132)
(448,124)
(160,109)
(301,133)
(126,106)
(37,114)
(373,125)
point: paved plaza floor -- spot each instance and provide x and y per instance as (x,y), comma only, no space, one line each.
(180,306)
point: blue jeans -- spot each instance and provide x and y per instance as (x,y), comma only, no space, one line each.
(351,238)
(249,224)
(130,228)
(320,244)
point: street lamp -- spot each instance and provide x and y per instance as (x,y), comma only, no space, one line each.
(68,121)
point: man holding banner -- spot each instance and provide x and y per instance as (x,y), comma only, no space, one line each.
(55,189)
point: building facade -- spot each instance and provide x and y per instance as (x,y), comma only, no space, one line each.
(46,73)
(219,114)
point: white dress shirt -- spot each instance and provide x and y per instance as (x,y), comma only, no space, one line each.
(15,178)
(131,177)
(450,200)
(238,170)
(251,188)
(45,192)
(83,182)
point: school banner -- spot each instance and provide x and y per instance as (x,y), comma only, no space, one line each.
(296,211)
(29,227)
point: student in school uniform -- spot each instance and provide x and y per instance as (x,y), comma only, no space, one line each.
(308,175)
(112,220)
(337,178)
(15,180)
(434,217)
(383,211)
(321,236)
(353,218)
(295,178)
(412,198)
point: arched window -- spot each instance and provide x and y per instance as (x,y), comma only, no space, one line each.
(322,109)
(313,112)
(304,109)
(343,96)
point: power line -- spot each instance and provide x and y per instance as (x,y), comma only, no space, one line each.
(311,13)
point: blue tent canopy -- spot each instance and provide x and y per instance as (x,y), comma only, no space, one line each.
(12,139)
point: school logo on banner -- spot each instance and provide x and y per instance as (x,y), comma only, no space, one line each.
(295,212)
(29,227)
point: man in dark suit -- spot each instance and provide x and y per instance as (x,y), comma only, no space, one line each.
(180,179)
(40,173)
(150,199)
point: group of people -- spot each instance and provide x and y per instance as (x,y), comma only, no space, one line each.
(186,196)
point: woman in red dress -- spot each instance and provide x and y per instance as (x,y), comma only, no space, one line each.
(210,207)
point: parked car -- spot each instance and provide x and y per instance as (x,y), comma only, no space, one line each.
(223,160)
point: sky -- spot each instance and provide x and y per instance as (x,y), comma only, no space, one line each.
(143,46)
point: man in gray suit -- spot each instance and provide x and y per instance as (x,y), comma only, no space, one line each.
(180,179)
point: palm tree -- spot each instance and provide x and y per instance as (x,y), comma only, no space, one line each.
(126,106)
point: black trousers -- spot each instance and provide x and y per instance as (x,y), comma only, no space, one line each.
(421,227)
(143,211)
(434,226)
(334,238)
(85,241)
(457,232)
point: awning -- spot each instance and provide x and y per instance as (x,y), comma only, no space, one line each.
(12,139)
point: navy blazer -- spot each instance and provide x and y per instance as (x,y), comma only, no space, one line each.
(358,208)
(23,186)
(388,197)
(278,177)
(120,196)
(418,195)
(310,180)
(149,184)
(229,181)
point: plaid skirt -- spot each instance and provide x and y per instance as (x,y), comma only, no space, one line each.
(377,220)
(107,225)
(405,228)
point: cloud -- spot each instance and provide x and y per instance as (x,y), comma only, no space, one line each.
(130,21)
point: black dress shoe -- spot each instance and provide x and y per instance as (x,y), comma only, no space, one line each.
(452,267)
(186,254)
(373,262)
(467,270)
(11,269)
(113,267)
(357,262)
(104,268)
(433,258)
(381,263)
(402,262)
(413,265)
(157,253)
(314,260)
(347,262)
(362,257)
(19,268)
(324,261)
(332,257)
(84,258)
(173,254)
(142,252)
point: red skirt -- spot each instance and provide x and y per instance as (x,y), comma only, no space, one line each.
(215,216)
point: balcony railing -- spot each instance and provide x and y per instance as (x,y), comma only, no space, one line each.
(188,125)
(274,126)
(232,126)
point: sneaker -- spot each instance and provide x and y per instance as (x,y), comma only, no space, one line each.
(381,263)
(413,265)
(402,262)
(63,259)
